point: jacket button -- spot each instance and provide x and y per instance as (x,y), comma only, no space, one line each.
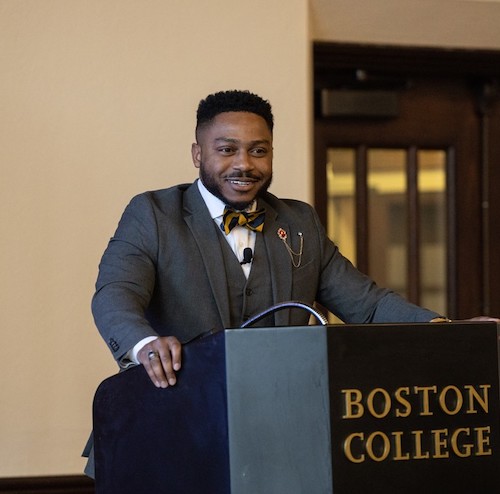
(248,292)
(114,345)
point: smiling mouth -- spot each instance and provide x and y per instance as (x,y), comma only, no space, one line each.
(241,180)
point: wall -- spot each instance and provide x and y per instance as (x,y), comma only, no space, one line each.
(441,23)
(97,103)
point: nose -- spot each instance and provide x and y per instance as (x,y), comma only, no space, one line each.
(243,161)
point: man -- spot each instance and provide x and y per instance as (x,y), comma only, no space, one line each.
(178,267)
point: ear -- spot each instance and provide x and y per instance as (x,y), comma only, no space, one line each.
(196,154)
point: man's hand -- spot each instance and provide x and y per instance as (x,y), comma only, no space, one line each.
(161,358)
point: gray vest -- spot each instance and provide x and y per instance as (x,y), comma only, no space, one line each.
(248,297)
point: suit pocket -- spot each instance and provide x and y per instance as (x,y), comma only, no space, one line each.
(305,281)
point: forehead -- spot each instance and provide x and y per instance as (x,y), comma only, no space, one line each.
(236,125)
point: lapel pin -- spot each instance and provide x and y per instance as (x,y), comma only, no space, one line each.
(296,257)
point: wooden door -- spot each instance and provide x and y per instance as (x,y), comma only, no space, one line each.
(418,143)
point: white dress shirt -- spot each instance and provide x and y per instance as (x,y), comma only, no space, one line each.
(240,237)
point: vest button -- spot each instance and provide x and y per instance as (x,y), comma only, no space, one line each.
(248,292)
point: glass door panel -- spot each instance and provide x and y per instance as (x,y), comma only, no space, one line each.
(341,204)
(405,209)
(432,212)
(387,218)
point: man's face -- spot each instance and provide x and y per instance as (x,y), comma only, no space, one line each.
(234,153)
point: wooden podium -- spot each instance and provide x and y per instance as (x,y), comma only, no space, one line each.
(306,410)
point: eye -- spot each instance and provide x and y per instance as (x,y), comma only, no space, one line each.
(258,152)
(226,150)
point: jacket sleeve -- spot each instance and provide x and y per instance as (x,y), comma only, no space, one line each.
(126,279)
(354,297)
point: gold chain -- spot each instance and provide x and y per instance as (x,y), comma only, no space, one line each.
(293,255)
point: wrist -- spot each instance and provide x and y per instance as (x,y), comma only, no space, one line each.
(138,347)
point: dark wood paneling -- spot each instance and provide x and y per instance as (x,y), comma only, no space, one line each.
(493,186)
(384,60)
(67,484)
(443,87)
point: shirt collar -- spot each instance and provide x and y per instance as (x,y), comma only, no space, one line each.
(214,204)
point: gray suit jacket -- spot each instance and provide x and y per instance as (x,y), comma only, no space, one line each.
(163,273)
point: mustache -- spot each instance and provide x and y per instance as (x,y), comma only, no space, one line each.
(242,175)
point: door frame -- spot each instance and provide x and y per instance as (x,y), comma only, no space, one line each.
(375,66)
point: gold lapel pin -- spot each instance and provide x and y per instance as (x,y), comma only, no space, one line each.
(296,257)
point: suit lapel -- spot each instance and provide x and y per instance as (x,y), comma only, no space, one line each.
(205,234)
(279,260)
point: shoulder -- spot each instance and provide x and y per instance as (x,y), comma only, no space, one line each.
(298,215)
(160,199)
(150,211)
(289,207)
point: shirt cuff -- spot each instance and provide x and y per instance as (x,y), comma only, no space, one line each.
(132,354)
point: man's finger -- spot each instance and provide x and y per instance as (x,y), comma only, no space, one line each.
(154,368)
(175,352)
(161,358)
(171,358)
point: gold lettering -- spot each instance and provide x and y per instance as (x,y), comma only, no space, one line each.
(347,447)
(425,397)
(379,446)
(386,449)
(440,443)
(456,447)
(473,394)
(458,400)
(386,403)
(418,446)
(483,440)
(407,410)
(352,401)
(398,455)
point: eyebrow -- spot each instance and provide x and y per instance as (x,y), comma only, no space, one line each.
(237,141)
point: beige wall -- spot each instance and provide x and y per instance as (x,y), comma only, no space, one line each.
(97,102)
(443,23)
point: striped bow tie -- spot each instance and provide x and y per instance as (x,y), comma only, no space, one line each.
(253,220)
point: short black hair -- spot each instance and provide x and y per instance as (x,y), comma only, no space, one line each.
(233,100)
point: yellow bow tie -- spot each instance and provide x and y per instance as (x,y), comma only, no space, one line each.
(253,220)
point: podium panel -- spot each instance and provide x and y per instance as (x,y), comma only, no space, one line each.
(310,410)
(415,408)
(173,440)
(278,410)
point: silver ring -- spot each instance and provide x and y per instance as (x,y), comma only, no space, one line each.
(152,355)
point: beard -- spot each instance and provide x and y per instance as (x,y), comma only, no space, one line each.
(213,186)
